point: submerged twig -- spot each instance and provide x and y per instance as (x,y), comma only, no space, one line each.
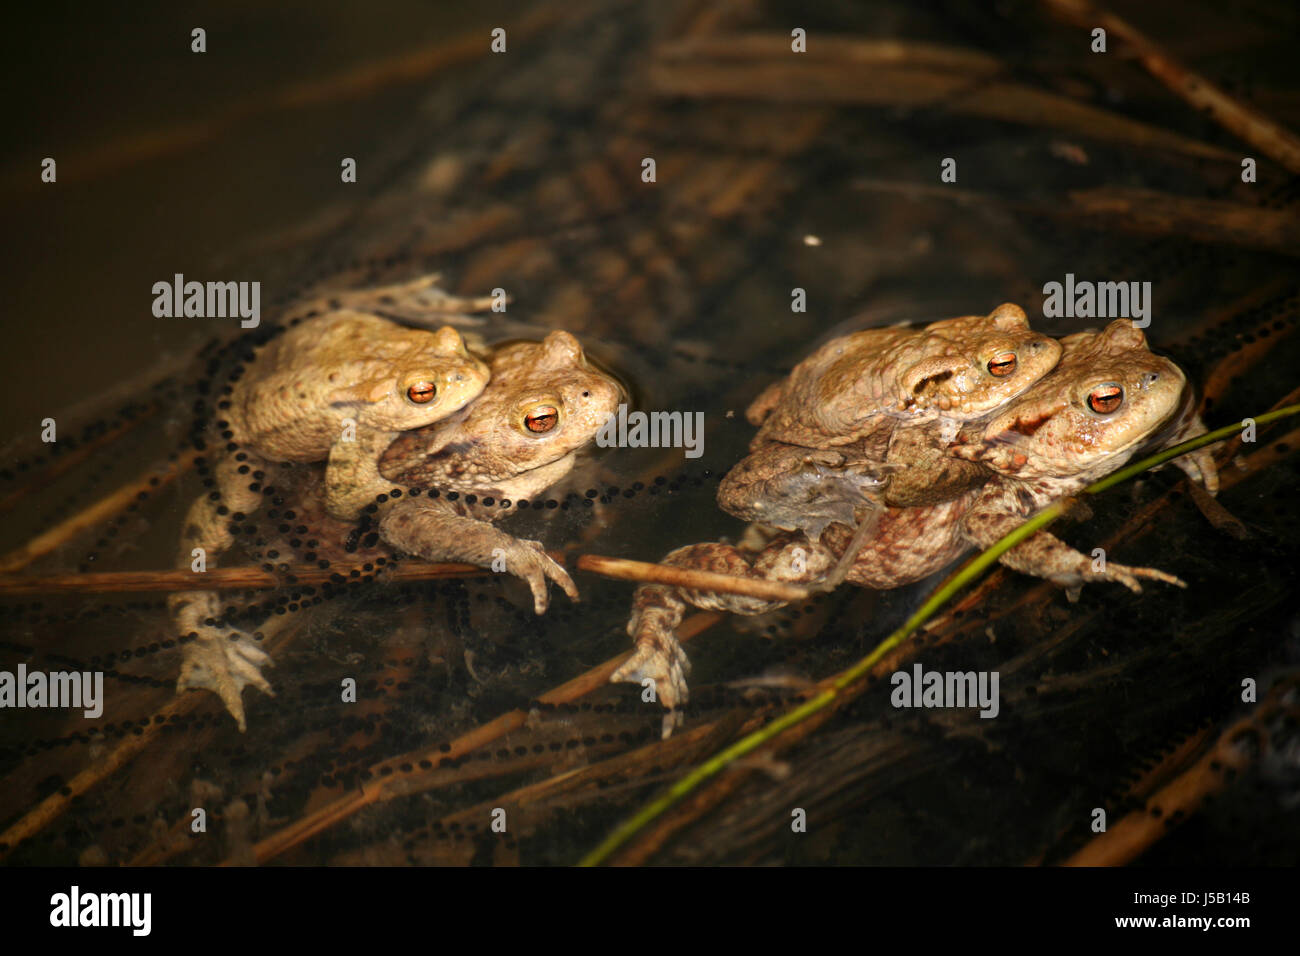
(692,579)
(108,506)
(1251,125)
(860,72)
(1235,750)
(388,780)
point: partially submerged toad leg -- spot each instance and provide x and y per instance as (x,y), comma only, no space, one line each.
(657,609)
(431,529)
(545,403)
(1044,555)
(415,299)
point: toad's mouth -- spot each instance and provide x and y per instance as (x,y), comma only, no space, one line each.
(1182,424)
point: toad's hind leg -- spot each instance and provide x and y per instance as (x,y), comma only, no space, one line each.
(657,609)
(414,299)
(214,657)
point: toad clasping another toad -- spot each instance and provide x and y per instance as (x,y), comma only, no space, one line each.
(445,486)
(336,387)
(1108,399)
(826,446)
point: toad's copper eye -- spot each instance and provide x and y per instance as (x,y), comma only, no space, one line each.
(422,393)
(1002,364)
(1104,399)
(542,419)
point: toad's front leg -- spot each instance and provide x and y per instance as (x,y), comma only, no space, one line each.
(802,489)
(433,530)
(352,478)
(414,299)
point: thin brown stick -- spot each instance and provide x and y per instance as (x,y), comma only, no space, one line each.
(49,809)
(694,580)
(356,83)
(102,510)
(1251,125)
(1144,212)
(864,73)
(219,579)
(241,578)
(56,803)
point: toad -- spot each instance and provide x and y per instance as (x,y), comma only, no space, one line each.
(1108,399)
(546,402)
(862,406)
(447,483)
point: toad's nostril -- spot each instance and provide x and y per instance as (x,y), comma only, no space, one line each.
(1150,378)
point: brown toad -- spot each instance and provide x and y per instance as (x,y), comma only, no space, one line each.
(339,387)
(334,387)
(544,403)
(1108,399)
(867,404)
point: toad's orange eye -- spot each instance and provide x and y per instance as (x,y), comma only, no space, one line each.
(422,393)
(1104,399)
(1002,364)
(542,419)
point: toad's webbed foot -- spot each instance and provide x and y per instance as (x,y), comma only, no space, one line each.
(528,559)
(225,664)
(658,657)
(1127,576)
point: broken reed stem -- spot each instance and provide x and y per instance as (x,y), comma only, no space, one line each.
(719,762)
(691,579)
(1251,125)
(225,579)
(108,506)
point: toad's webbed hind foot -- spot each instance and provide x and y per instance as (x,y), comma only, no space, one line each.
(225,664)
